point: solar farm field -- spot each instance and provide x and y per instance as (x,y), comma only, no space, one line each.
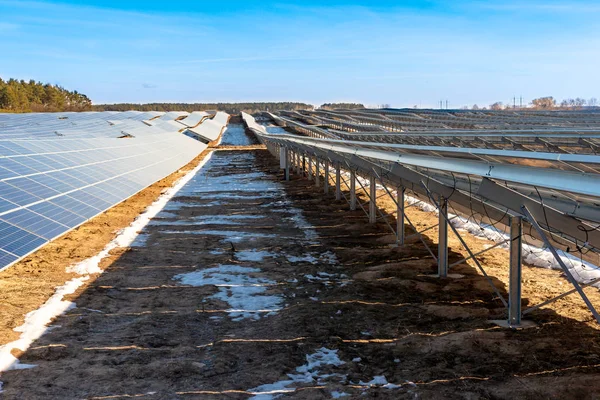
(315,254)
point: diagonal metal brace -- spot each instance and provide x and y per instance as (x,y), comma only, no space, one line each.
(565,269)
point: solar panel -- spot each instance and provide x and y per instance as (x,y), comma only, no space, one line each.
(52,183)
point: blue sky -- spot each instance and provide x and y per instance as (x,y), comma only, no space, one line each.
(402,53)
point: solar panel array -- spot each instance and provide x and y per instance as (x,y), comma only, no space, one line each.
(52,183)
(211,129)
(556,166)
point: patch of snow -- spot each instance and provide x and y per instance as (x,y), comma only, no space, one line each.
(235,135)
(205,220)
(391,386)
(305,258)
(140,240)
(307,373)
(300,222)
(377,380)
(380,381)
(244,294)
(253,255)
(337,395)
(229,236)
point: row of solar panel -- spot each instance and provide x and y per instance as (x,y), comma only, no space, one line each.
(48,187)
(81,125)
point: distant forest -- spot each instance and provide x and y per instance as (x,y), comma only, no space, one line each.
(348,106)
(230,108)
(32,96)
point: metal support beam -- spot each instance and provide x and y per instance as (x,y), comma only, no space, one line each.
(352,190)
(326,173)
(309,169)
(373,200)
(515,273)
(443,238)
(400,234)
(284,162)
(317,173)
(303,165)
(338,186)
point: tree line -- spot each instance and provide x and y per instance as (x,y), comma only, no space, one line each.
(230,108)
(348,106)
(545,103)
(32,96)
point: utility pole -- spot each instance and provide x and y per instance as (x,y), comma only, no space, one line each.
(521,102)
(446,104)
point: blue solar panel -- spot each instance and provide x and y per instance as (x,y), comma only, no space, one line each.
(50,184)
(76,206)
(34,223)
(16,195)
(18,241)
(57,213)
(7,258)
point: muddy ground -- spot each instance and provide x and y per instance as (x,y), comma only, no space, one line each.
(326,284)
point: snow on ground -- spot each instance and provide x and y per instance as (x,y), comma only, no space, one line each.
(235,135)
(246,295)
(318,371)
(242,288)
(228,236)
(205,220)
(253,255)
(36,321)
(307,373)
(275,130)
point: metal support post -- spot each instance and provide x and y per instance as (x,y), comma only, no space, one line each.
(514,283)
(284,162)
(352,190)
(326,173)
(373,200)
(292,161)
(309,168)
(317,173)
(303,165)
(338,186)
(443,238)
(400,234)
(296,162)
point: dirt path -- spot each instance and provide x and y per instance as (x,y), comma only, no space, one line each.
(250,287)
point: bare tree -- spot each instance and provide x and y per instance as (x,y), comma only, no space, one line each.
(475,107)
(593,102)
(579,102)
(496,106)
(547,102)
